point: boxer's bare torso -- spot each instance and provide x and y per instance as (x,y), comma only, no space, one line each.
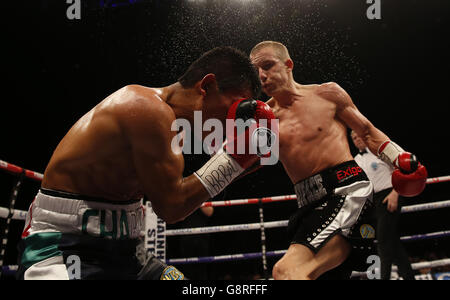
(313,122)
(312,137)
(123,148)
(95,157)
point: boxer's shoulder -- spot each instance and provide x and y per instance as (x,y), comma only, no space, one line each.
(329,89)
(333,92)
(138,95)
(143,107)
(141,99)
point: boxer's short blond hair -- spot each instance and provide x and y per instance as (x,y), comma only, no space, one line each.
(280,50)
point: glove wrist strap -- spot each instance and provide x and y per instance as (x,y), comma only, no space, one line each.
(218,172)
(389,151)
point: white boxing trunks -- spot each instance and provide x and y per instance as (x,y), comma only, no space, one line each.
(63,229)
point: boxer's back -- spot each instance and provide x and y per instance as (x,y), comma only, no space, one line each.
(95,145)
(312,138)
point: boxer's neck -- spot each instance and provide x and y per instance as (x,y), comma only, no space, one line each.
(286,96)
(182,101)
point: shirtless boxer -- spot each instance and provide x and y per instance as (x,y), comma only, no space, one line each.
(89,202)
(332,190)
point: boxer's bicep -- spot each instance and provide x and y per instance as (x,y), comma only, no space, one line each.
(353,118)
(347,112)
(159,168)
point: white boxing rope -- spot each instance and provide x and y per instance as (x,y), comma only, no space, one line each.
(277,224)
(438,179)
(225,228)
(428,264)
(21,214)
(425,206)
(415,266)
(17,214)
(162,231)
(423,236)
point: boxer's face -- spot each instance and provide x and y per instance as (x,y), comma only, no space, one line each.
(273,72)
(215,103)
(219,103)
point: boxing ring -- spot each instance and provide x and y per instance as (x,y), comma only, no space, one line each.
(156,243)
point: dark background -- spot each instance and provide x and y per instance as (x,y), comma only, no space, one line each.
(396,69)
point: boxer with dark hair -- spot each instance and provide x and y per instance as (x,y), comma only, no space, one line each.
(333,192)
(89,202)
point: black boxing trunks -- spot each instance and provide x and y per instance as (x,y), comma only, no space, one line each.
(338,200)
(70,236)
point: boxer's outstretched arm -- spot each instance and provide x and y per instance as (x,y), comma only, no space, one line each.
(409,177)
(147,127)
(348,113)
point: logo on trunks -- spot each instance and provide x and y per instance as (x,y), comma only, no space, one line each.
(310,190)
(367,231)
(114,224)
(349,173)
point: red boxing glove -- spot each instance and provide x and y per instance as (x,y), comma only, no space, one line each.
(246,144)
(406,162)
(410,177)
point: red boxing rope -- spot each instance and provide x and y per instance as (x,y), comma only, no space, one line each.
(37,176)
(18,170)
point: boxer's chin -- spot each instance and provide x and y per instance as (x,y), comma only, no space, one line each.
(269,90)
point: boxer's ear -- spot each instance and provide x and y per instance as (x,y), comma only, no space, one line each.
(208,82)
(289,64)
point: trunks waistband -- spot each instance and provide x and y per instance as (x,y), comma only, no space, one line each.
(56,211)
(316,187)
(68,195)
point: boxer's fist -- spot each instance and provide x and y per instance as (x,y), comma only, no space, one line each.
(244,145)
(410,177)
(406,162)
(250,137)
